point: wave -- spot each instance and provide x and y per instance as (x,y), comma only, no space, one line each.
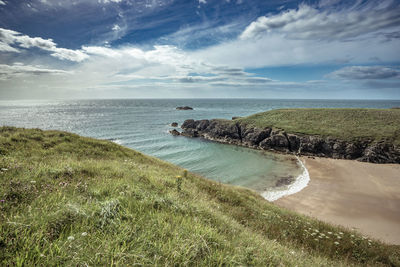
(300,183)
(117,141)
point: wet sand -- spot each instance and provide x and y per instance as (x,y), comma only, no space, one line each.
(363,196)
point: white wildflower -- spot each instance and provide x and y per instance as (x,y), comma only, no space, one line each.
(84,234)
(71,238)
(4,169)
(336,243)
(33,182)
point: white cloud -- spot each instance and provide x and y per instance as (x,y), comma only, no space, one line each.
(113,68)
(361,34)
(116,28)
(325,3)
(192,35)
(110,1)
(4,47)
(160,71)
(68,54)
(277,50)
(2,3)
(10,37)
(365,73)
(307,22)
(101,51)
(221,66)
(9,71)
(202,2)
(7,38)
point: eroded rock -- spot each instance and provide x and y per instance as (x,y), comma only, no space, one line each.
(276,139)
(175,132)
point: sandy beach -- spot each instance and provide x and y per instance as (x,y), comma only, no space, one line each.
(363,196)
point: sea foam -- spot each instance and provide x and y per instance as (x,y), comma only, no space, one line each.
(117,141)
(300,183)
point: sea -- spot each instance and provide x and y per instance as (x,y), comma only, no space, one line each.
(144,125)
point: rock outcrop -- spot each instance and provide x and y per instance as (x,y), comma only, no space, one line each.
(174,132)
(275,139)
(184,108)
(174,124)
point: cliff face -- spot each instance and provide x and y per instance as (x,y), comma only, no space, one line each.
(275,139)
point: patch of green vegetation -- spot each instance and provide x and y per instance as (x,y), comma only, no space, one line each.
(345,124)
(71,200)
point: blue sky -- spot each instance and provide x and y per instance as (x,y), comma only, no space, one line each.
(201,48)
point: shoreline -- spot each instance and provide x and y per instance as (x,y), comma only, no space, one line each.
(298,184)
(357,195)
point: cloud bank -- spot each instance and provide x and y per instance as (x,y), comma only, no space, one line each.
(19,69)
(365,73)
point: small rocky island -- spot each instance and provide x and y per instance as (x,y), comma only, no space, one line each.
(184,108)
(378,146)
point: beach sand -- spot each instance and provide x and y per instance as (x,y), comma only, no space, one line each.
(363,196)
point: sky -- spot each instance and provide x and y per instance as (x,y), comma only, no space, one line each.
(327,49)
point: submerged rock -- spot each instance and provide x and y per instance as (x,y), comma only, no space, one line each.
(284,181)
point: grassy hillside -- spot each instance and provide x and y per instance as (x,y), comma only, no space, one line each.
(346,124)
(71,200)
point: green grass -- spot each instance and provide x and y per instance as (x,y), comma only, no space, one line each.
(345,124)
(75,201)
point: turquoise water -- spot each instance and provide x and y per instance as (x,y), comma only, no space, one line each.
(144,124)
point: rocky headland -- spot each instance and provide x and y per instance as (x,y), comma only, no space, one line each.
(269,138)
